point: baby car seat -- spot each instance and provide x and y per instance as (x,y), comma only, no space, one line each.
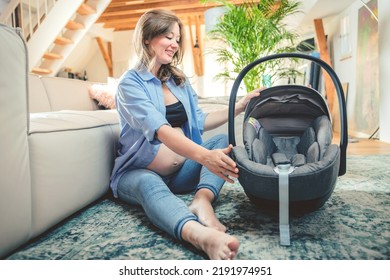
(288,164)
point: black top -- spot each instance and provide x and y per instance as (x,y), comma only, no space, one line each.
(176,114)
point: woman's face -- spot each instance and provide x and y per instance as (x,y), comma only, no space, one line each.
(165,46)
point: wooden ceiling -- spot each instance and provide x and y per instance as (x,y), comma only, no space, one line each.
(123,14)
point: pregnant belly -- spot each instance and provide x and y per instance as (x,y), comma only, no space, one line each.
(166,161)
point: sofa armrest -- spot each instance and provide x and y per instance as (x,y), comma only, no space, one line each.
(72,154)
(15,183)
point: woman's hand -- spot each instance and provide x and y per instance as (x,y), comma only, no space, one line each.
(219,163)
(241,104)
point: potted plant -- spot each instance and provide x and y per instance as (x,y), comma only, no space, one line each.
(249,31)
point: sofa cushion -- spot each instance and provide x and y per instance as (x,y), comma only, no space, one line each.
(104,94)
(71,120)
(68,94)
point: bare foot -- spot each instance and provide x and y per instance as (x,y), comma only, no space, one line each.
(216,244)
(202,208)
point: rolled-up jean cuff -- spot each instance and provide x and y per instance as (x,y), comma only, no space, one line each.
(211,188)
(179,226)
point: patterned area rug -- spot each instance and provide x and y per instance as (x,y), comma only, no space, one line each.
(353,224)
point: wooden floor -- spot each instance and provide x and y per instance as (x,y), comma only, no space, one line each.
(358,146)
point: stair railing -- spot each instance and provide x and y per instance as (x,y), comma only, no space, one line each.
(28,15)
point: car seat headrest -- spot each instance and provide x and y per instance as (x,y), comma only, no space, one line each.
(259,152)
(266,138)
(313,153)
(316,139)
(307,139)
(258,142)
(250,132)
(323,129)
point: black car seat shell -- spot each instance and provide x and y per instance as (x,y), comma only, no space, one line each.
(288,125)
(289,163)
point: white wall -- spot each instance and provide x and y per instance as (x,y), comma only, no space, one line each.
(384,68)
(122,52)
(346,67)
(342,64)
(87,57)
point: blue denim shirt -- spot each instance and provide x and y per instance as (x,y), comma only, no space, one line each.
(141,109)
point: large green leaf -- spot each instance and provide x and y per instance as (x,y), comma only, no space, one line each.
(252,30)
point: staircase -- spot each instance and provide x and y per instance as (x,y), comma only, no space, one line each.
(52,28)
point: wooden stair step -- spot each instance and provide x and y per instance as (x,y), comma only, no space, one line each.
(85,10)
(50,55)
(41,71)
(72,25)
(63,41)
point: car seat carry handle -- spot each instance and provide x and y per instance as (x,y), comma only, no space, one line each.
(335,80)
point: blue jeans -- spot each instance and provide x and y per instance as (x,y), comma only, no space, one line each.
(156,194)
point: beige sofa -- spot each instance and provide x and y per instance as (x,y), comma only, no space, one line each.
(57,147)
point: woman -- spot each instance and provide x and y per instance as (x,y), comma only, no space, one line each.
(160,146)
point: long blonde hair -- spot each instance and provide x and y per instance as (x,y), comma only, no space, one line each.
(150,25)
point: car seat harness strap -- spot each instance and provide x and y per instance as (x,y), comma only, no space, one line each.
(284,227)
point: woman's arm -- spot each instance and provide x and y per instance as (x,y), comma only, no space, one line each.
(219,117)
(216,160)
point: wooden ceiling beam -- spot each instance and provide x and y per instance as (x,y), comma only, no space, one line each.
(135,16)
(122,3)
(107,55)
(123,14)
(168,5)
(130,24)
(324,54)
(131,2)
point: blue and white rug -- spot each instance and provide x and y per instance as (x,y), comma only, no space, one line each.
(353,224)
